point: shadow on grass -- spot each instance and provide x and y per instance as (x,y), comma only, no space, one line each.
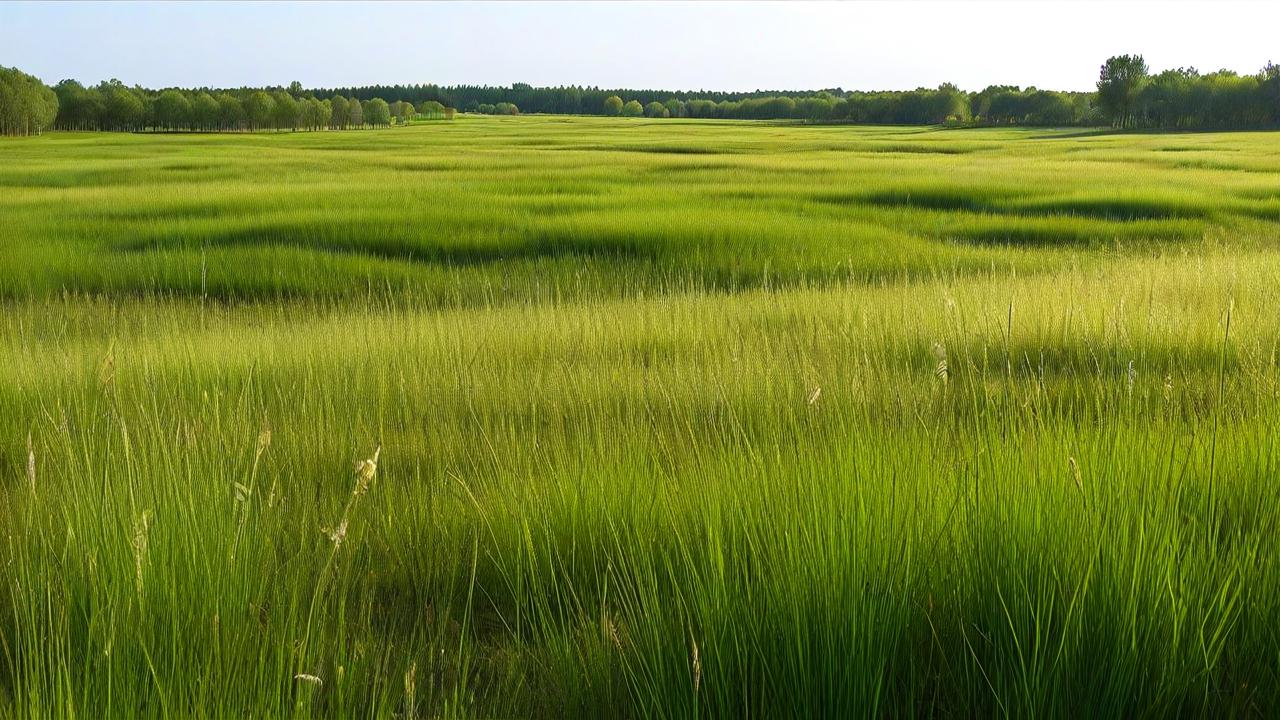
(995,202)
(394,244)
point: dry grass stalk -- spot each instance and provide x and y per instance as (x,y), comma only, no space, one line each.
(696,662)
(940,370)
(31,464)
(336,535)
(366,470)
(141,530)
(410,690)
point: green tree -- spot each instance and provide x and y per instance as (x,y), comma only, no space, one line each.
(172,110)
(79,108)
(948,104)
(633,108)
(675,108)
(656,109)
(377,112)
(980,102)
(313,113)
(612,106)
(700,108)
(402,112)
(431,109)
(27,105)
(284,114)
(230,112)
(325,113)
(1120,82)
(122,108)
(340,113)
(259,108)
(1269,85)
(355,113)
(814,109)
(205,111)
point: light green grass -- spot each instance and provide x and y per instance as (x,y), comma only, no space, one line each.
(678,419)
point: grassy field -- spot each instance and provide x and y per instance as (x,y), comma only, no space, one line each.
(675,419)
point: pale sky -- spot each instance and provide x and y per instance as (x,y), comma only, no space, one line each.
(657,45)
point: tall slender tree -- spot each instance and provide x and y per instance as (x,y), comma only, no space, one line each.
(340,114)
(355,113)
(259,108)
(1120,81)
(204,112)
(27,105)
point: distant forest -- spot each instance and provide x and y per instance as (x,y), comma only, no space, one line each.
(1127,96)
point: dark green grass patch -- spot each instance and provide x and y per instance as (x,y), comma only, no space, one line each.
(1059,231)
(956,197)
(1114,207)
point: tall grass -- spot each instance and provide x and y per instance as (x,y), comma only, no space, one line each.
(1035,482)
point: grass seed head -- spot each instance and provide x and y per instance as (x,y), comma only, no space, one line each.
(815,394)
(31,464)
(940,370)
(107,369)
(264,440)
(141,530)
(695,663)
(336,535)
(611,630)
(366,470)
(410,687)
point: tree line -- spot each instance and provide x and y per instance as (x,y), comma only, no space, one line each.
(1127,96)
(111,105)
(926,106)
(1131,97)
(27,106)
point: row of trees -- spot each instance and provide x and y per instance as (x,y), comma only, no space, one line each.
(113,106)
(563,100)
(26,106)
(947,103)
(1130,96)
(502,108)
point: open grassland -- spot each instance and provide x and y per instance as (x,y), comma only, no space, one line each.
(480,211)
(676,419)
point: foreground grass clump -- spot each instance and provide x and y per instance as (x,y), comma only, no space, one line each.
(981,479)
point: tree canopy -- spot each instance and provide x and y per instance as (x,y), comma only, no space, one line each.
(27,106)
(377,113)
(112,105)
(1120,81)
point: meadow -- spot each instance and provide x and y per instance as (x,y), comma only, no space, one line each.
(570,417)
